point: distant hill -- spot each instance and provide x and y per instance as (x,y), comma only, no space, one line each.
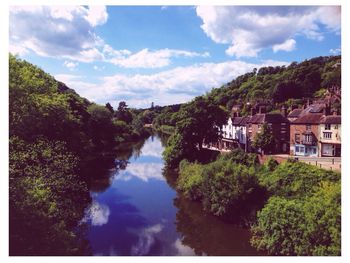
(291,84)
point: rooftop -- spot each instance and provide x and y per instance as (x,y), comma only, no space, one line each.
(310,118)
(331,119)
(268,117)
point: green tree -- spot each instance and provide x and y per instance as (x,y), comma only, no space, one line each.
(264,140)
(109,107)
(123,113)
(47,199)
(303,227)
(198,122)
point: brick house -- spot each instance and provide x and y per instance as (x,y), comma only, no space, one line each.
(304,134)
(279,126)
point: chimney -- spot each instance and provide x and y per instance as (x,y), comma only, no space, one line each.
(262,109)
(252,111)
(284,111)
(327,110)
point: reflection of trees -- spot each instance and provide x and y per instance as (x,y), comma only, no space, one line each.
(170,176)
(100,174)
(207,234)
(163,138)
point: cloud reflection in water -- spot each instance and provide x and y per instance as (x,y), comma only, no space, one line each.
(97,213)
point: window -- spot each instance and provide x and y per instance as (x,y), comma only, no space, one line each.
(336,127)
(259,126)
(314,150)
(297,148)
(297,137)
(327,135)
(327,126)
(308,138)
(308,127)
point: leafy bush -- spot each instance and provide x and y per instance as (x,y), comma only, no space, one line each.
(308,226)
(240,156)
(297,179)
(230,190)
(190,180)
(47,199)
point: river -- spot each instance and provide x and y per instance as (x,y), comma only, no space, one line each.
(135,211)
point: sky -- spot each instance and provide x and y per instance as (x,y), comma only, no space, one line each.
(166,54)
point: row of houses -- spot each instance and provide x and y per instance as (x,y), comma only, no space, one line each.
(314,130)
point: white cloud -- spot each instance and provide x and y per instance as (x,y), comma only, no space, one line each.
(57,31)
(249,29)
(335,51)
(173,86)
(95,67)
(183,250)
(288,45)
(149,59)
(153,149)
(142,171)
(146,240)
(97,15)
(69,32)
(97,213)
(70,65)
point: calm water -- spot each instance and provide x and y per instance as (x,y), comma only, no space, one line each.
(136,212)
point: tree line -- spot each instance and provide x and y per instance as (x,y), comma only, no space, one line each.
(56,138)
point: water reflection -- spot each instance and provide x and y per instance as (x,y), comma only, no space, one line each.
(146,240)
(136,211)
(207,235)
(143,171)
(97,213)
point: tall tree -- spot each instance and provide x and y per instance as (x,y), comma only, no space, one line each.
(123,113)
(264,140)
(198,123)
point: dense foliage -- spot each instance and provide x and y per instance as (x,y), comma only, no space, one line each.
(56,139)
(47,199)
(296,179)
(310,226)
(264,140)
(196,123)
(227,187)
(282,84)
(303,216)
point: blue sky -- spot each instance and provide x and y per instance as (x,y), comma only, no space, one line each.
(166,55)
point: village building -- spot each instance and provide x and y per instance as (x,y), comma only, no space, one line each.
(304,133)
(330,136)
(234,132)
(315,129)
(279,126)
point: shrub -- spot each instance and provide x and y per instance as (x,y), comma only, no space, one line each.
(298,179)
(310,226)
(190,180)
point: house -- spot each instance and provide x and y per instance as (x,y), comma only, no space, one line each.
(279,125)
(315,130)
(330,136)
(304,134)
(234,131)
(294,114)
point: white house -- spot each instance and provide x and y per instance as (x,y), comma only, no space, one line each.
(234,133)
(330,136)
